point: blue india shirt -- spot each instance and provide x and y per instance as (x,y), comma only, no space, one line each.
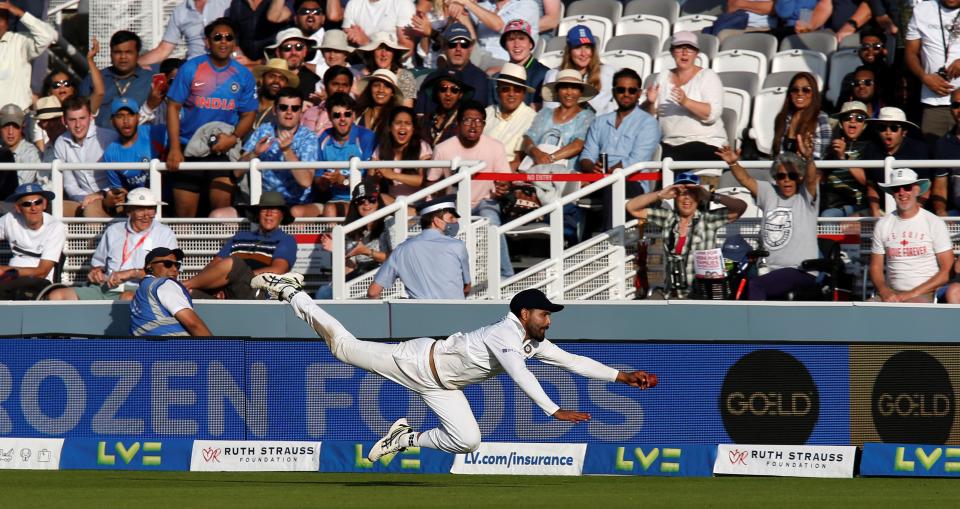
(361,143)
(209,93)
(150,144)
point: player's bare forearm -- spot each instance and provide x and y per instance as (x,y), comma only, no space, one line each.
(571,416)
(639,379)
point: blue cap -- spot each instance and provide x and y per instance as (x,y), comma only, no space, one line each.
(28,189)
(457,30)
(580,35)
(736,248)
(124,103)
(687,178)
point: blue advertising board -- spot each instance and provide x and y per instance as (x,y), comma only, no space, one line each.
(125,454)
(910,460)
(343,456)
(650,460)
(295,390)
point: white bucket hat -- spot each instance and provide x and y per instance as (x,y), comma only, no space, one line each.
(889,114)
(572,76)
(905,177)
(142,197)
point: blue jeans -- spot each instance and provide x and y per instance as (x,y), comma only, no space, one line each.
(490,209)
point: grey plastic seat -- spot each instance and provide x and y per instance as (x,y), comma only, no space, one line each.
(665,9)
(778,79)
(706,7)
(823,41)
(643,43)
(740,80)
(610,9)
(765,44)
(730,120)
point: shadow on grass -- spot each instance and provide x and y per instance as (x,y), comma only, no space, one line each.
(357,484)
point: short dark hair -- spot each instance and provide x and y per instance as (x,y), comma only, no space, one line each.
(427,219)
(626,72)
(122,36)
(221,21)
(76,103)
(299,3)
(334,71)
(472,105)
(869,68)
(341,99)
(170,64)
(870,31)
(289,92)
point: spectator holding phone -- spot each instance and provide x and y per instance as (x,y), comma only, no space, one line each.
(154,111)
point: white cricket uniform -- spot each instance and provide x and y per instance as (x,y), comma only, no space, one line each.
(462,359)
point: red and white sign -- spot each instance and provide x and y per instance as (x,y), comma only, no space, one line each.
(254,456)
(30,453)
(522,459)
(708,263)
(785,460)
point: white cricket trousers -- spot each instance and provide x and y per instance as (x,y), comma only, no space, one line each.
(407,364)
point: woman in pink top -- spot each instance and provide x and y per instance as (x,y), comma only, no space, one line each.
(399,140)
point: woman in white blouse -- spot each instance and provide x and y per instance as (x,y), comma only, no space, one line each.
(688,101)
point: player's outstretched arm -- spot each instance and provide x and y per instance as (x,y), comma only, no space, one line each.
(571,416)
(639,379)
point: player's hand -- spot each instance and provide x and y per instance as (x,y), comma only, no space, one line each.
(571,416)
(639,379)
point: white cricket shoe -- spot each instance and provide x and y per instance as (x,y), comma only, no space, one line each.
(400,436)
(279,286)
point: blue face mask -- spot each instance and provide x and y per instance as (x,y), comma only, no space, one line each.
(451,229)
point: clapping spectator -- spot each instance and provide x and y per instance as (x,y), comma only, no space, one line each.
(18,50)
(582,55)
(801,116)
(209,88)
(83,143)
(125,77)
(843,191)
(400,141)
(383,52)
(38,238)
(688,101)
(510,118)
(379,96)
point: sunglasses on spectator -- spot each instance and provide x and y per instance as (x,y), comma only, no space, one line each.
(791,175)
(289,107)
(897,189)
(293,46)
(61,84)
(341,114)
(306,12)
(864,82)
(167,263)
(450,88)
(27,204)
(855,117)
(367,199)
(874,45)
(893,128)
(460,44)
(222,37)
(625,90)
(799,90)
(954,105)
(473,121)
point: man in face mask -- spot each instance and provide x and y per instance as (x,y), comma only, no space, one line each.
(432,265)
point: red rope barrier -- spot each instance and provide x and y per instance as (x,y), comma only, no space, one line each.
(558,177)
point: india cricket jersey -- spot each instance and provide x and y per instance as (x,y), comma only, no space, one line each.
(209,93)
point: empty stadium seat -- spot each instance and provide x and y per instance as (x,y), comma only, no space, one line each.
(708,7)
(799,60)
(644,43)
(650,80)
(739,101)
(665,61)
(777,80)
(764,44)
(745,81)
(851,41)
(741,60)
(644,24)
(601,27)
(552,53)
(767,103)
(823,41)
(610,9)
(551,60)
(625,58)
(740,193)
(842,62)
(730,120)
(693,23)
(667,10)
(708,44)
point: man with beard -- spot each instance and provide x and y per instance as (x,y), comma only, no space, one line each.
(137,143)
(296,49)
(124,78)
(209,88)
(309,17)
(458,44)
(912,244)
(451,364)
(272,77)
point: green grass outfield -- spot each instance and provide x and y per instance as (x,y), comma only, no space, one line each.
(181,490)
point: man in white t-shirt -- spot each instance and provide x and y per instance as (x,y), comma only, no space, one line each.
(363,18)
(912,244)
(36,239)
(932,53)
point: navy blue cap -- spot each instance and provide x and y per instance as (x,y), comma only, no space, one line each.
(30,188)
(457,30)
(162,251)
(531,298)
(687,178)
(579,36)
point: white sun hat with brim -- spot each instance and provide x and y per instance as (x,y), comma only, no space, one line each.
(568,76)
(142,197)
(905,177)
(891,115)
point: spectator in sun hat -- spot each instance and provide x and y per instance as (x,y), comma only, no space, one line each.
(273,77)
(161,297)
(296,49)
(48,117)
(335,51)
(490,18)
(912,253)
(582,55)
(892,130)
(36,239)
(117,264)
(518,41)
(458,45)
(380,95)
(266,248)
(510,118)
(843,192)
(433,264)
(384,52)
(448,91)
(687,227)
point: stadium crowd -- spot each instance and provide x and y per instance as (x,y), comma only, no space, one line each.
(390,80)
